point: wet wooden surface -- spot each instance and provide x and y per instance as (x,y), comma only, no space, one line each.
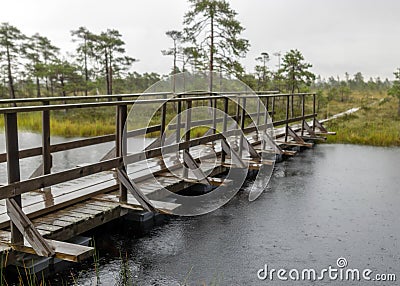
(68,209)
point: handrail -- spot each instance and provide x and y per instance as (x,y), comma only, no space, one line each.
(5,110)
(107,97)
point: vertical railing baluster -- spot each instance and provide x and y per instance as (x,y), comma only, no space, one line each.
(287,118)
(187,130)
(225,123)
(13,170)
(313,111)
(121,143)
(214,115)
(302,113)
(46,154)
(178,119)
(273,109)
(242,122)
(163,120)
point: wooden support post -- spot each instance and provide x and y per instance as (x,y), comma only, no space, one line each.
(320,126)
(235,158)
(187,132)
(252,151)
(178,122)
(273,109)
(46,155)
(298,139)
(258,112)
(135,191)
(242,123)
(26,227)
(195,168)
(238,110)
(163,118)
(302,113)
(11,132)
(120,144)
(214,116)
(308,129)
(225,122)
(313,111)
(276,147)
(287,118)
(292,106)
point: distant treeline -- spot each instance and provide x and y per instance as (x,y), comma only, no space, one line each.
(31,66)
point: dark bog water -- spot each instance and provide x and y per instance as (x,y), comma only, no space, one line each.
(329,202)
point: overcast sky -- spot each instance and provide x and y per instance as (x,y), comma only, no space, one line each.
(336,36)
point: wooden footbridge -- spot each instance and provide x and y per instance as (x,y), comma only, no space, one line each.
(40,214)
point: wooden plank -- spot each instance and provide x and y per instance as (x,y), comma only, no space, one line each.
(290,143)
(13,170)
(135,191)
(234,156)
(62,250)
(194,167)
(25,226)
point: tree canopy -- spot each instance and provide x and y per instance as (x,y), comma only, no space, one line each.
(295,71)
(213,32)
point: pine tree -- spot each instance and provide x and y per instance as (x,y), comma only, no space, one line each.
(11,40)
(211,27)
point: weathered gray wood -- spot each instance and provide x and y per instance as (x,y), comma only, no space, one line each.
(11,132)
(62,250)
(109,155)
(320,126)
(294,135)
(271,142)
(195,168)
(308,129)
(46,155)
(236,159)
(135,191)
(253,153)
(121,145)
(25,226)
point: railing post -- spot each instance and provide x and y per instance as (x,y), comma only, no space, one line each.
(11,132)
(302,113)
(178,120)
(313,111)
(187,130)
(163,120)
(225,123)
(287,118)
(258,111)
(46,155)
(214,115)
(266,110)
(120,143)
(273,109)
(238,109)
(292,106)
(242,122)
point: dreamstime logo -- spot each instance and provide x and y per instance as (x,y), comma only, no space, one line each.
(339,273)
(195,114)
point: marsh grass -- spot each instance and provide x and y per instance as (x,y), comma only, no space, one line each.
(376,124)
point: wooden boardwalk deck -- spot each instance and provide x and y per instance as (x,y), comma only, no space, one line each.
(64,210)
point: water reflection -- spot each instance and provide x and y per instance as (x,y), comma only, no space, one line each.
(332,201)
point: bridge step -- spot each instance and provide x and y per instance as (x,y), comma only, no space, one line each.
(63,250)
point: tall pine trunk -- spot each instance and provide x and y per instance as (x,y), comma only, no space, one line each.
(38,87)
(10,78)
(86,69)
